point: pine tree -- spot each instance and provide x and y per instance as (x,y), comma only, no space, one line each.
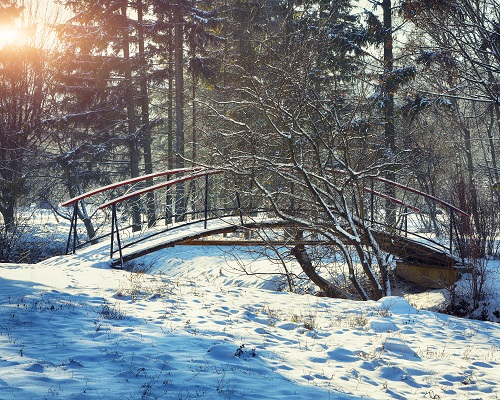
(182,25)
(98,73)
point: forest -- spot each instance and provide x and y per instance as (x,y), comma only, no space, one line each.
(302,104)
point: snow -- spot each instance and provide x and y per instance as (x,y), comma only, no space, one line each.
(197,327)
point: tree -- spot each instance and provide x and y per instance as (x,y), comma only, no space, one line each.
(460,56)
(290,126)
(463,42)
(382,33)
(104,79)
(186,28)
(144,101)
(9,11)
(115,52)
(23,101)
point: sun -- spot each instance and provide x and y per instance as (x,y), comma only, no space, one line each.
(9,35)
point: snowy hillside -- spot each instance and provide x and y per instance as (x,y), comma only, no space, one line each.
(72,328)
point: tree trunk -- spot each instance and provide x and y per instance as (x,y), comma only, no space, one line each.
(75,190)
(8,176)
(146,128)
(7,212)
(300,254)
(495,170)
(170,129)
(194,138)
(131,122)
(476,236)
(389,128)
(180,198)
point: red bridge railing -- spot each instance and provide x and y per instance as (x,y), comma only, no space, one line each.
(452,210)
(195,173)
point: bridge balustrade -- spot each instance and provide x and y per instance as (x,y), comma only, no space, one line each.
(416,214)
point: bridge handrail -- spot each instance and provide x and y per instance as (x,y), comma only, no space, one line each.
(412,190)
(158,186)
(428,241)
(193,173)
(393,199)
(126,182)
(234,211)
(423,194)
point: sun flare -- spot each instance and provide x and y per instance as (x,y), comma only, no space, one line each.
(8,35)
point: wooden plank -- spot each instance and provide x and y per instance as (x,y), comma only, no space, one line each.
(127,182)
(249,242)
(427,275)
(133,254)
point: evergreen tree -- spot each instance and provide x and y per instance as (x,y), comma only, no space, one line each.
(102,81)
(115,51)
(382,31)
(184,29)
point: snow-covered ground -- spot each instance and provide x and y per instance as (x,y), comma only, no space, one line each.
(197,328)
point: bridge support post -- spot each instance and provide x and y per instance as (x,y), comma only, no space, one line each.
(206,202)
(451,230)
(238,202)
(72,229)
(114,224)
(372,201)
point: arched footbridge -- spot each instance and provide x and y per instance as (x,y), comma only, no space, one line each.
(421,258)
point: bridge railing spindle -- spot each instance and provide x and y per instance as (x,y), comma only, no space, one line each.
(238,202)
(206,201)
(451,229)
(114,223)
(72,229)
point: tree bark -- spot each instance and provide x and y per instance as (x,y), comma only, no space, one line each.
(180,198)
(170,129)
(131,123)
(389,127)
(146,128)
(300,254)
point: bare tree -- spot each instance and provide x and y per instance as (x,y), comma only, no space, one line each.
(289,128)
(463,37)
(24,98)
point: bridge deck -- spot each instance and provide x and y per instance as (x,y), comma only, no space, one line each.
(158,238)
(193,232)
